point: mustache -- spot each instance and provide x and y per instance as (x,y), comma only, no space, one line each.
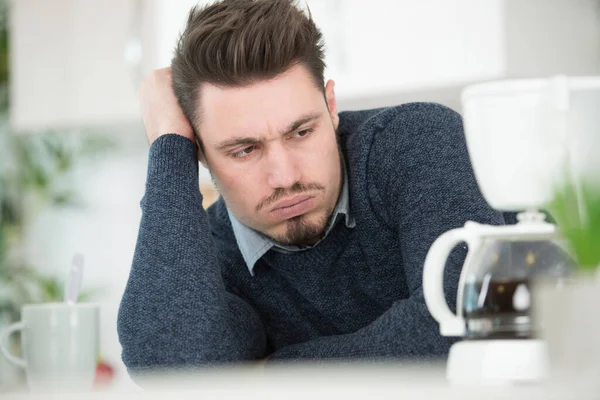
(294,189)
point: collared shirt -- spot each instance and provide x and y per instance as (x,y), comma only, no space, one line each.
(253,244)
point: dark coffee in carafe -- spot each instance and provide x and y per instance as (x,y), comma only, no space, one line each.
(497,309)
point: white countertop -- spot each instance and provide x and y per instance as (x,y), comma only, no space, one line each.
(357,381)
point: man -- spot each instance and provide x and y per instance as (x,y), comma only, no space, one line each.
(316,247)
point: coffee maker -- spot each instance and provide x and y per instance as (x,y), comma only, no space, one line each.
(524,138)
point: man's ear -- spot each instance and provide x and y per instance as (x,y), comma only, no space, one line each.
(202,159)
(331,103)
(201,156)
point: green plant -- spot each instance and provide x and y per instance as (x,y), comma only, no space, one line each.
(576,209)
(35,174)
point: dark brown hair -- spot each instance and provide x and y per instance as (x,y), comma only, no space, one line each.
(238,42)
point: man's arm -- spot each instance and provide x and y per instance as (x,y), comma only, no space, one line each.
(175,311)
(430,190)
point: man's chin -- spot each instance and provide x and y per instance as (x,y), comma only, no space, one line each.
(302,231)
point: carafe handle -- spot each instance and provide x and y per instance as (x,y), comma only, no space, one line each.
(433,279)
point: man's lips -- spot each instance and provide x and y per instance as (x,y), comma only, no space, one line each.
(293,206)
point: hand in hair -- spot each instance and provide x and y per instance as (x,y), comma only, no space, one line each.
(160,109)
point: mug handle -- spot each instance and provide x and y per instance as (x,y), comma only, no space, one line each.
(433,279)
(4,339)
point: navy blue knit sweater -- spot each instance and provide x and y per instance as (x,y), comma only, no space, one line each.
(191,301)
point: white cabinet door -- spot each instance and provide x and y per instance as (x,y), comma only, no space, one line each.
(69,61)
(381,46)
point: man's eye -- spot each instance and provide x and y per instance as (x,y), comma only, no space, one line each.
(244,152)
(303,133)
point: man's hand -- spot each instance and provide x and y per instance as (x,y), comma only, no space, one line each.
(160,109)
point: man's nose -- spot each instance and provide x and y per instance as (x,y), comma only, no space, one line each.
(283,168)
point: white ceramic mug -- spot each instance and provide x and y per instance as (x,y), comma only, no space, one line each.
(59,345)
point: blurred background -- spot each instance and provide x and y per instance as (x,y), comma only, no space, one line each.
(72,148)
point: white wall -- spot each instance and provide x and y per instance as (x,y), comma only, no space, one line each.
(546,37)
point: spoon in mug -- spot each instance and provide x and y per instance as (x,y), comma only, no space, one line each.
(73,284)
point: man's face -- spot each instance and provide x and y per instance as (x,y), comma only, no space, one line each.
(272,151)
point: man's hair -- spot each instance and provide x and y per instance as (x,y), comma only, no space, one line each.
(234,43)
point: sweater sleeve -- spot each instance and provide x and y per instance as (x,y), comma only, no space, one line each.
(421,184)
(175,311)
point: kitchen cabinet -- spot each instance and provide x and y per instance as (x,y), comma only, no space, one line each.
(78,62)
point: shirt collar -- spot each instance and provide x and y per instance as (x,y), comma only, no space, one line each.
(253,244)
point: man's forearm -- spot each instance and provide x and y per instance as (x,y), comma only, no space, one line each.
(406,331)
(175,310)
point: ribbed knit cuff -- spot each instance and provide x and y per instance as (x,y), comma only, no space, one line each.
(173,164)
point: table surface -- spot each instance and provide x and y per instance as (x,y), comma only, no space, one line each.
(356,381)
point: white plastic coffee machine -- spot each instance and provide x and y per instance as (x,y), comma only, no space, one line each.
(522,137)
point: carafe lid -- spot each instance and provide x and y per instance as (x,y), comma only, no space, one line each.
(532,225)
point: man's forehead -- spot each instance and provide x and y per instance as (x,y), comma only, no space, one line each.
(255,110)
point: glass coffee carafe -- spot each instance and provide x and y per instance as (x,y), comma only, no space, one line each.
(494,299)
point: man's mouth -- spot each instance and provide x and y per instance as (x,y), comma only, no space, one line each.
(293,206)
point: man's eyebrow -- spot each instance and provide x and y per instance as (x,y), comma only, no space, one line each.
(301,121)
(226,144)
(250,141)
